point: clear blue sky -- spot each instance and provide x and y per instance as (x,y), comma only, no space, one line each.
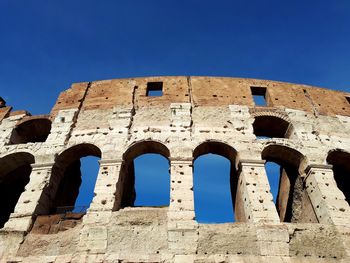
(47,45)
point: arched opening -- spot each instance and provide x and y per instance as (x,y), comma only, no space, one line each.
(145,178)
(215,182)
(267,126)
(15,171)
(31,130)
(72,184)
(282,168)
(341,169)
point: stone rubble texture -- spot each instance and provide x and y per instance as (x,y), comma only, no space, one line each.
(116,115)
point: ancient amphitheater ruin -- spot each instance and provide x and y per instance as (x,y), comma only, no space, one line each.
(306,130)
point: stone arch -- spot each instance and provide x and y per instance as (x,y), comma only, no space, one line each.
(66,176)
(15,170)
(126,184)
(292,200)
(217,147)
(81,149)
(340,160)
(224,150)
(25,151)
(285,155)
(146,146)
(31,129)
(199,146)
(293,146)
(272,124)
(273,113)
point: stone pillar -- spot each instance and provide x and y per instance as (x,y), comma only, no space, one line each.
(254,201)
(254,204)
(327,200)
(93,236)
(33,200)
(182,229)
(62,126)
(7,127)
(105,188)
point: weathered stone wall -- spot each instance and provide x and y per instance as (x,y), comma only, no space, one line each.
(117,121)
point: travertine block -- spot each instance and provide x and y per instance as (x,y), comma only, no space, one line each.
(117,121)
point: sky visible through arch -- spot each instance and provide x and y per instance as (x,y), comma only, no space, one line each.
(47,45)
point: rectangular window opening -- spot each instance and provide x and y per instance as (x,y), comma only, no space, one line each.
(348,99)
(154,89)
(2,103)
(259,95)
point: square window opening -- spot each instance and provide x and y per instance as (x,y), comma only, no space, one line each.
(348,99)
(259,95)
(154,89)
(2,103)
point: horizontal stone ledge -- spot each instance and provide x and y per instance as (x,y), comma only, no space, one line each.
(110,161)
(41,165)
(20,215)
(318,166)
(179,160)
(251,162)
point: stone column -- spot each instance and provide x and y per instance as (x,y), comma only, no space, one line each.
(182,229)
(33,200)
(327,200)
(105,188)
(7,127)
(254,204)
(93,236)
(254,201)
(62,126)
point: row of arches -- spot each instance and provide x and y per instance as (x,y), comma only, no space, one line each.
(37,129)
(146,165)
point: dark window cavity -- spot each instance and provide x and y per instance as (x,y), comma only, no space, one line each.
(2,103)
(32,130)
(73,180)
(271,127)
(291,199)
(154,89)
(341,169)
(259,96)
(15,170)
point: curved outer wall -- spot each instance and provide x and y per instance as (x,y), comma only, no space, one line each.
(115,114)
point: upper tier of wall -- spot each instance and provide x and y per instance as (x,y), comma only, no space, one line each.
(303,129)
(202,91)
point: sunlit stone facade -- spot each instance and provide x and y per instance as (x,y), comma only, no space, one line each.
(306,130)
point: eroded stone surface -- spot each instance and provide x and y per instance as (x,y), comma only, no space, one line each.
(116,120)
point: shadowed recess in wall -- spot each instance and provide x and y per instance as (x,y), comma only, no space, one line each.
(67,177)
(15,170)
(341,168)
(292,202)
(31,130)
(270,127)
